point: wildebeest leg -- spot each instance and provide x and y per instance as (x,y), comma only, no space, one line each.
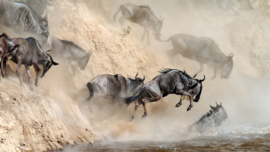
(147,32)
(215,73)
(29,76)
(143,34)
(201,68)
(145,110)
(18,70)
(179,103)
(187,94)
(38,71)
(136,107)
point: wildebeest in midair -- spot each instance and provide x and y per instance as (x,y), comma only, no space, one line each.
(30,53)
(170,81)
(211,119)
(20,18)
(73,53)
(6,46)
(142,15)
(115,87)
(203,50)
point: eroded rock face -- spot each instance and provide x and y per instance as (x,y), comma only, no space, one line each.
(28,122)
(211,119)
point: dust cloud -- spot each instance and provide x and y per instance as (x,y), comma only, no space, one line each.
(244,95)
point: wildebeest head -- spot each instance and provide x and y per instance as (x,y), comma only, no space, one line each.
(136,84)
(196,89)
(222,115)
(157,28)
(84,60)
(47,63)
(227,67)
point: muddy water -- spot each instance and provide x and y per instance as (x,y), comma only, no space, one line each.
(226,141)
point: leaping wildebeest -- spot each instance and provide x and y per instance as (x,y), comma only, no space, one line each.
(170,81)
(142,15)
(115,87)
(20,18)
(73,53)
(30,53)
(6,46)
(203,50)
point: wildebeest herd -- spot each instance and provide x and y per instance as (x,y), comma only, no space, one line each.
(22,18)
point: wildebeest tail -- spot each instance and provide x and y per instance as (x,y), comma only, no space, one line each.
(129,100)
(91,90)
(115,15)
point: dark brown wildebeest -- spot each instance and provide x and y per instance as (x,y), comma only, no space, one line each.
(142,15)
(114,86)
(30,53)
(70,51)
(201,49)
(20,18)
(171,81)
(6,45)
(211,119)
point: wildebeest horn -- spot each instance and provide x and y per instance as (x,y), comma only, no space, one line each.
(217,104)
(220,104)
(202,79)
(48,51)
(143,78)
(136,76)
(194,76)
(89,52)
(212,107)
(231,55)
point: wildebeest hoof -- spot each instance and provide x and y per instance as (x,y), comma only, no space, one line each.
(131,118)
(178,105)
(188,108)
(144,115)
(36,84)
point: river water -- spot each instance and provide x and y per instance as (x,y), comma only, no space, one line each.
(245,139)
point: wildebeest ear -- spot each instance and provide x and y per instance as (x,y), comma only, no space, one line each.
(48,51)
(54,63)
(212,107)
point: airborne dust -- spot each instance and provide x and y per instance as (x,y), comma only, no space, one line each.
(244,95)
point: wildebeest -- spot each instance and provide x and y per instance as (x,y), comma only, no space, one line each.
(201,49)
(6,46)
(142,15)
(70,51)
(211,119)
(114,86)
(170,81)
(30,53)
(20,18)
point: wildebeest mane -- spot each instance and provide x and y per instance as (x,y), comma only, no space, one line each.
(166,70)
(149,9)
